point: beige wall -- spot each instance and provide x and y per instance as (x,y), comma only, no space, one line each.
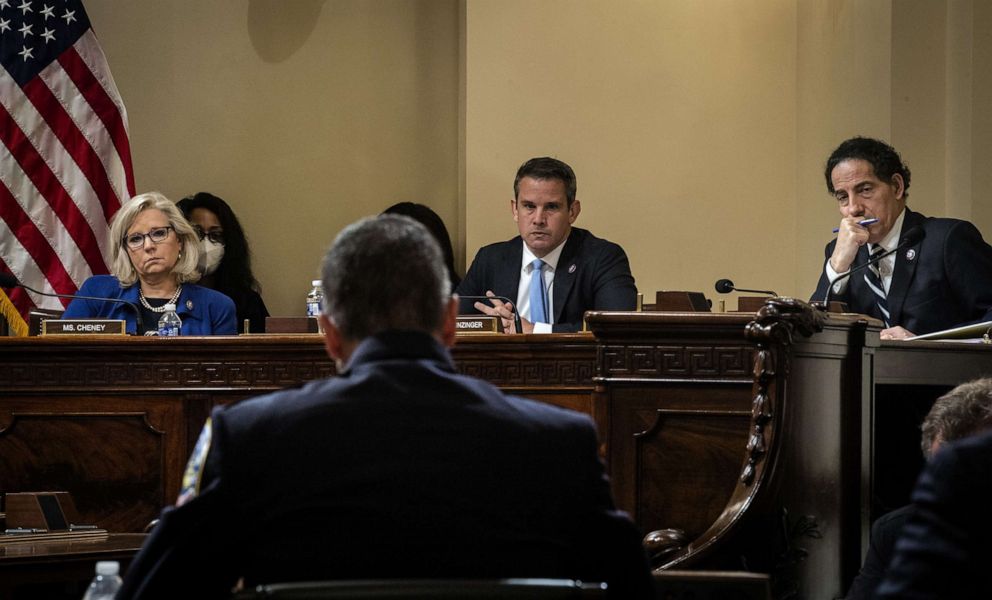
(844,81)
(698,130)
(981,116)
(679,119)
(304,115)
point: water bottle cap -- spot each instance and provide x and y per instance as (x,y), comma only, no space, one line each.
(108,567)
(170,307)
(315,283)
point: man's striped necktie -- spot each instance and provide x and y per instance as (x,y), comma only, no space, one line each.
(874,280)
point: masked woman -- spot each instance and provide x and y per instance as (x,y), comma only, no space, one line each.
(154,252)
(225,259)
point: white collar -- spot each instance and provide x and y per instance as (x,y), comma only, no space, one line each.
(891,240)
(550,259)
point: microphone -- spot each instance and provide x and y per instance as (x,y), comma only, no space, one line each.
(516,316)
(7,280)
(910,238)
(725,286)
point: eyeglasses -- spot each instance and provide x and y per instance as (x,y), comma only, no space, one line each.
(214,235)
(135,241)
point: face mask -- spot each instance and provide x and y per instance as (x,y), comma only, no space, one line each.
(211,254)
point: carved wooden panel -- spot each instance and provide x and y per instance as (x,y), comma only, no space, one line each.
(677,444)
(680,433)
(530,372)
(662,361)
(136,405)
(113,463)
(531,361)
(676,451)
(260,373)
(579,399)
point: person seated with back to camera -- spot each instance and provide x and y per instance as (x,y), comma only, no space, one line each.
(962,412)
(398,467)
(225,257)
(943,550)
(154,252)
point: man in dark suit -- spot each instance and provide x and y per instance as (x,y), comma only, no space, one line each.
(941,281)
(399,467)
(552,273)
(944,549)
(960,413)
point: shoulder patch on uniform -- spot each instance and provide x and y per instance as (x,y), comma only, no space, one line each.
(194,468)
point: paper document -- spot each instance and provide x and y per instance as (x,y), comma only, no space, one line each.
(977,331)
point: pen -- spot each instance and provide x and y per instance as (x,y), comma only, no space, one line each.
(862,223)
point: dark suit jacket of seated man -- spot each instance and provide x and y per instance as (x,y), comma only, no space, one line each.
(941,281)
(592,274)
(963,412)
(398,467)
(944,549)
(582,271)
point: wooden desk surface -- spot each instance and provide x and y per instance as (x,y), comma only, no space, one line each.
(60,570)
(117,546)
(931,363)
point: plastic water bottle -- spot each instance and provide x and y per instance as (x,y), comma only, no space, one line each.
(169,323)
(106,583)
(315,299)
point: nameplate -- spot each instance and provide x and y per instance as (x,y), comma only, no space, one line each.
(39,512)
(83,327)
(478,325)
(291,325)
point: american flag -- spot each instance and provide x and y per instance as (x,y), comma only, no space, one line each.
(65,159)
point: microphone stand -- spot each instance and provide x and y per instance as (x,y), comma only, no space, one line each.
(725,286)
(11,281)
(912,237)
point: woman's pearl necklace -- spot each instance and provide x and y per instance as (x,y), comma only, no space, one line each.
(158,309)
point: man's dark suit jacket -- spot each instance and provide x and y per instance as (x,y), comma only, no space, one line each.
(944,550)
(946,283)
(592,274)
(884,533)
(397,468)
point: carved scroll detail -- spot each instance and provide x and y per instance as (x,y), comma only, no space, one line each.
(773,327)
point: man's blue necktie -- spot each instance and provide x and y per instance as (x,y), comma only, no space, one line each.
(538,295)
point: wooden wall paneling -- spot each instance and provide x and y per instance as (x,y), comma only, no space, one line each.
(760,407)
(556,369)
(516,362)
(819,500)
(113,421)
(661,436)
(111,452)
(650,363)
